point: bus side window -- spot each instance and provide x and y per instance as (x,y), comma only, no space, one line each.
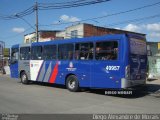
(84,51)
(49,52)
(107,50)
(36,53)
(65,51)
(24,53)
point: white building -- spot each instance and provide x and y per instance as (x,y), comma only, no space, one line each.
(43,35)
(75,31)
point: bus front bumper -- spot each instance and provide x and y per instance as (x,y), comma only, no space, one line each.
(131,83)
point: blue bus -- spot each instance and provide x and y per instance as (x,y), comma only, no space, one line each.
(109,61)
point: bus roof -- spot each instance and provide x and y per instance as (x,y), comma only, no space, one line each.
(75,40)
(88,39)
(15,46)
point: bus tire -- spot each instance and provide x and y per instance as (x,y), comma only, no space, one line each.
(72,83)
(24,78)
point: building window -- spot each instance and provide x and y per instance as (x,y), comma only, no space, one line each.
(24,53)
(107,50)
(84,51)
(33,39)
(36,53)
(49,52)
(65,52)
(27,41)
(74,34)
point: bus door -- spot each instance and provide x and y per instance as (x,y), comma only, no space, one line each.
(14,62)
(106,68)
(36,63)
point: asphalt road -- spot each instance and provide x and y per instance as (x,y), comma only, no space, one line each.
(42,98)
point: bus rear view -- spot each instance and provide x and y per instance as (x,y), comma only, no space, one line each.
(135,71)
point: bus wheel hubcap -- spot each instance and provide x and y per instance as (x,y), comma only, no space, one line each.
(24,78)
(72,84)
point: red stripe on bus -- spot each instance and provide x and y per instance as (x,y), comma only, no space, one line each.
(54,74)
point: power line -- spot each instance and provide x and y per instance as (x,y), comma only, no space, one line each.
(109,15)
(134,20)
(78,3)
(123,22)
(61,3)
(110,25)
(123,12)
(47,6)
(25,21)
(28,11)
(37,7)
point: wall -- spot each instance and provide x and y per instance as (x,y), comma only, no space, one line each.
(60,35)
(153,60)
(90,30)
(43,36)
(30,38)
(78,27)
(47,36)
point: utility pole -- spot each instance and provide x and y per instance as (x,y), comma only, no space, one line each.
(2,47)
(36,12)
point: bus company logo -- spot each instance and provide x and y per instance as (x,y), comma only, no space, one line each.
(112,68)
(71,67)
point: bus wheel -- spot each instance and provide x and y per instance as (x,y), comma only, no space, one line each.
(24,78)
(72,83)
